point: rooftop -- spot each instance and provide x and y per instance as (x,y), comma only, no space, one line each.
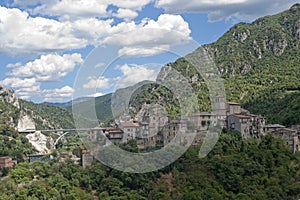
(274,126)
(129,124)
(242,116)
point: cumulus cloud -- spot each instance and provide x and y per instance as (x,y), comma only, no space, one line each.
(98,83)
(70,9)
(50,67)
(226,9)
(28,79)
(25,88)
(126,14)
(150,37)
(58,94)
(75,9)
(21,33)
(133,74)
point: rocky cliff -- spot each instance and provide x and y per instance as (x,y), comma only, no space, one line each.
(246,46)
(23,116)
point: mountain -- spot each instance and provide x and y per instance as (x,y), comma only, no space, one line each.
(69,103)
(260,66)
(17,113)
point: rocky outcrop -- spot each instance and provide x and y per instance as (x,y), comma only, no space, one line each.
(9,96)
(41,142)
(25,122)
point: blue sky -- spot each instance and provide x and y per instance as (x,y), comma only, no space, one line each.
(49,50)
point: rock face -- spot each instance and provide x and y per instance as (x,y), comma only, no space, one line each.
(244,46)
(41,143)
(8,96)
(25,122)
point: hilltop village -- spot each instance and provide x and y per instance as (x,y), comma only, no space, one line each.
(150,128)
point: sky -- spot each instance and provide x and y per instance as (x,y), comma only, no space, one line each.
(51,49)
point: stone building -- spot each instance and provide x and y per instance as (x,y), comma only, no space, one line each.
(115,135)
(204,120)
(232,108)
(272,127)
(250,126)
(7,162)
(130,130)
(87,160)
(239,123)
(290,137)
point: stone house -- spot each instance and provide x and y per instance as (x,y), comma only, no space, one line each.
(233,108)
(7,162)
(239,123)
(204,120)
(272,127)
(250,126)
(115,135)
(290,137)
(130,130)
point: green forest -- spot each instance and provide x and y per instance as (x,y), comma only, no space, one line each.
(234,169)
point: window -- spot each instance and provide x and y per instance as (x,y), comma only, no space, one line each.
(232,126)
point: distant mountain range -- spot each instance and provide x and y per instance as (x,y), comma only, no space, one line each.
(69,103)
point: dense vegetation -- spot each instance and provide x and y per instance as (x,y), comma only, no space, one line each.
(259,64)
(13,144)
(235,169)
(56,117)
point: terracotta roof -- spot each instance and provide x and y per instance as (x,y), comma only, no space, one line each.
(4,157)
(242,116)
(289,129)
(129,124)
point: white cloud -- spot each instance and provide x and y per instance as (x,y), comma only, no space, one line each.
(21,33)
(98,83)
(133,74)
(150,37)
(143,50)
(126,14)
(92,29)
(73,9)
(17,82)
(226,9)
(58,94)
(27,79)
(97,94)
(130,4)
(100,65)
(25,88)
(50,67)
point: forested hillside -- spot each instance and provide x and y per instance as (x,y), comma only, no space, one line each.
(235,169)
(259,64)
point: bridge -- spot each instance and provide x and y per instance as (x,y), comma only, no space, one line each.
(60,132)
